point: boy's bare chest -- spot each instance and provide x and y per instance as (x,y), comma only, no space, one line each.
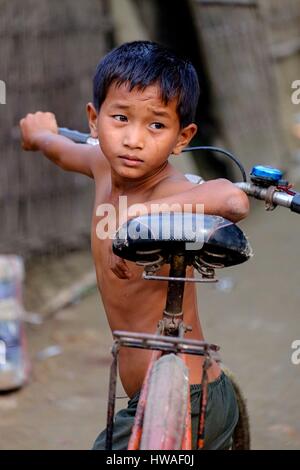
(109,213)
(110,208)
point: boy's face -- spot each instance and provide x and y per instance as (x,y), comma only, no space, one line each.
(137,131)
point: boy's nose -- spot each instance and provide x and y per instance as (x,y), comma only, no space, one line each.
(134,139)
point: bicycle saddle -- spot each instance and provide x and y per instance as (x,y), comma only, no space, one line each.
(215,240)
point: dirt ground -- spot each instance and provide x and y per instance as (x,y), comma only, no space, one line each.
(253,314)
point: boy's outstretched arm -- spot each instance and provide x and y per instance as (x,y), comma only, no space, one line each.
(219,197)
(40,132)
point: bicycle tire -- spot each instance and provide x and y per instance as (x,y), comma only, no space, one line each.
(166,406)
(241,439)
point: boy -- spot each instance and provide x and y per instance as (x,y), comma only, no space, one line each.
(144,105)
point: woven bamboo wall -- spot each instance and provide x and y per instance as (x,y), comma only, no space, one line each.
(49,51)
(237,50)
(282,20)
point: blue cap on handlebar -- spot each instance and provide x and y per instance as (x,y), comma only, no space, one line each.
(267,173)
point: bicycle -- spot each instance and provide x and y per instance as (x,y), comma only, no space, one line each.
(223,244)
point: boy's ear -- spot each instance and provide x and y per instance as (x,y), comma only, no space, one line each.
(92,116)
(185,136)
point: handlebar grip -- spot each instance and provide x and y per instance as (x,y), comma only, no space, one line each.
(77,137)
(295,204)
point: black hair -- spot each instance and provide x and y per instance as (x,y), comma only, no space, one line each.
(144,63)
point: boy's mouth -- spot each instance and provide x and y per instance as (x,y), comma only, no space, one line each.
(131,160)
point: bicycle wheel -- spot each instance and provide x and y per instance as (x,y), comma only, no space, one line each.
(241,435)
(166,407)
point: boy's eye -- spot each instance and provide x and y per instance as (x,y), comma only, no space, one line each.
(120,117)
(157,125)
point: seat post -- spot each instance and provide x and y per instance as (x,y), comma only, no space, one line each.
(175,288)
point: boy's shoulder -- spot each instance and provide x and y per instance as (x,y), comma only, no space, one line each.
(174,182)
(99,165)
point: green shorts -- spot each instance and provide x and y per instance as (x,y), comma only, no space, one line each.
(221,417)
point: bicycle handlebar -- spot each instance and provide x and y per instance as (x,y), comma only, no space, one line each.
(273,198)
(77,137)
(277,198)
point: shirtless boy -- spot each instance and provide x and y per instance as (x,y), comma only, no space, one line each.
(143,109)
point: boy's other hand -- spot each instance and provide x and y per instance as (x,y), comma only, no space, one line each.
(35,127)
(119,266)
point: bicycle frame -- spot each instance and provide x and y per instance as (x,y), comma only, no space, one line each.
(169,338)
